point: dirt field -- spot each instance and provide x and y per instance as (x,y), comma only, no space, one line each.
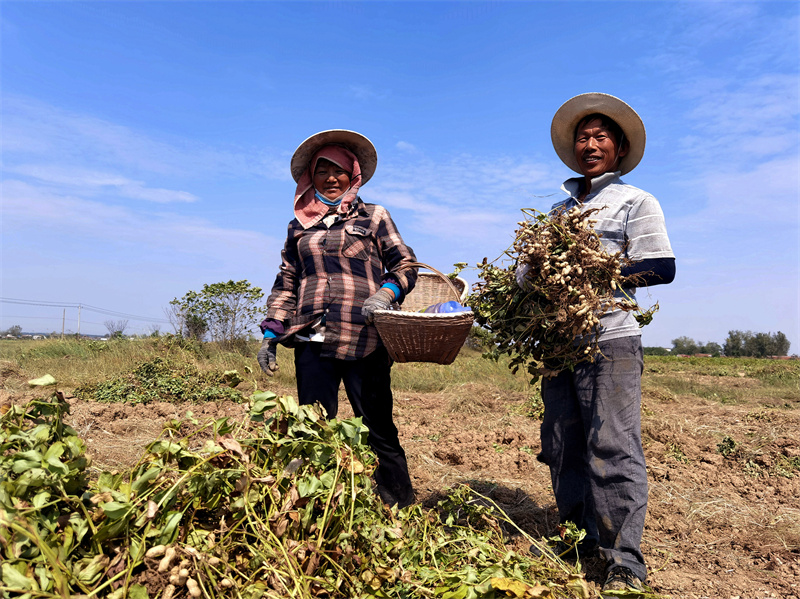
(723,461)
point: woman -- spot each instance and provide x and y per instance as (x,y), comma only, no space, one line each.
(342,260)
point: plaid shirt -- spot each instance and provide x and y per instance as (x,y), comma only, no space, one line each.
(330,271)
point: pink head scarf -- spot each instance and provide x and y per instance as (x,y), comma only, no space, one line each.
(308,209)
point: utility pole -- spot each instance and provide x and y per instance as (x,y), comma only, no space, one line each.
(63,320)
(79,321)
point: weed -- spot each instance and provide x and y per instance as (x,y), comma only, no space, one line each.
(787,467)
(751,468)
(533,407)
(675,452)
(728,447)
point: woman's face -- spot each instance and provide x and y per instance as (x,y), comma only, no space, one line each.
(330,179)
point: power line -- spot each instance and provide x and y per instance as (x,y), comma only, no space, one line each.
(104,311)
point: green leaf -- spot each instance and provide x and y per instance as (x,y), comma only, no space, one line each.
(13,578)
(22,465)
(41,498)
(42,381)
(144,479)
(161,447)
(56,466)
(138,591)
(115,510)
(56,450)
(90,570)
(308,486)
(170,530)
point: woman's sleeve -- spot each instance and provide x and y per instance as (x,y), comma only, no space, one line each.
(282,300)
(396,255)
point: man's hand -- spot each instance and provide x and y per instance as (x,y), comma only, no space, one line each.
(268,356)
(522,273)
(381,300)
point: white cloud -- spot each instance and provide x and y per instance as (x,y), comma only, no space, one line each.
(404,146)
(90,182)
(366,92)
(28,207)
(37,133)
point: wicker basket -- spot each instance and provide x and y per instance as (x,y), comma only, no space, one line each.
(413,336)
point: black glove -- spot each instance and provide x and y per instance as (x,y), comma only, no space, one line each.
(268,356)
(381,300)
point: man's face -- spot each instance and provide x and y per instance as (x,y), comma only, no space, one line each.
(596,149)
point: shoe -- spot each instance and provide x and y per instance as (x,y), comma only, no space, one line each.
(400,497)
(620,578)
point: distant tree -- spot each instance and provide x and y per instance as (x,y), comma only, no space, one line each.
(712,347)
(116,328)
(734,344)
(656,351)
(684,345)
(14,331)
(184,315)
(227,311)
(780,345)
(756,345)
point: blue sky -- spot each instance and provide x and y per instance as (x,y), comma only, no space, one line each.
(146,145)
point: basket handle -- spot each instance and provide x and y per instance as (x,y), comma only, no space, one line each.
(443,276)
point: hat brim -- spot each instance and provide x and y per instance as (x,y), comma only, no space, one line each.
(355,142)
(562,129)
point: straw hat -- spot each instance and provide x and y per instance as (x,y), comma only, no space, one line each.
(355,142)
(562,130)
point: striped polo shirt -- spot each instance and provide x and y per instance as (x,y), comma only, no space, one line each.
(630,221)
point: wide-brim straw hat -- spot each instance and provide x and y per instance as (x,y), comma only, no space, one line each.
(355,142)
(562,130)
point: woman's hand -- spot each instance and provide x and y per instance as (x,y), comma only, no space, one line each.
(268,356)
(380,300)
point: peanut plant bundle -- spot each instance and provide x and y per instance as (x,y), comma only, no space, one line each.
(281,505)
(550,323)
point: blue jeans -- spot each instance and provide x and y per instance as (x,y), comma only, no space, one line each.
(367,382)
(592,442)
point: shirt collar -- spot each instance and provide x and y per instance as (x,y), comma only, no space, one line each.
(572,187)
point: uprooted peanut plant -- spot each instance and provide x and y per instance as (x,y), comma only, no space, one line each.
(281,505)
(569,282)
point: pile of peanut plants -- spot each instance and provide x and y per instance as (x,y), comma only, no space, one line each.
(162,379)
(570,282)
(281,505)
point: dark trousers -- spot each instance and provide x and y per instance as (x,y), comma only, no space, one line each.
(592,442)
(367,382)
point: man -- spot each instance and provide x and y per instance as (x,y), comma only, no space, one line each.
(591,431)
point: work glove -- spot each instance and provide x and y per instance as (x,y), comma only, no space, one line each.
(522,276)
(380,300)
(268,356)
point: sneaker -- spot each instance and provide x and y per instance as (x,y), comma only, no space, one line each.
(620,578)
